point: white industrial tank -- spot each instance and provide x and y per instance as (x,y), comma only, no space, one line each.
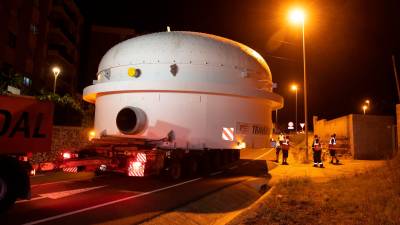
(210,91)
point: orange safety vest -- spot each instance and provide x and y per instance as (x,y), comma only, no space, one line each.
(285,145)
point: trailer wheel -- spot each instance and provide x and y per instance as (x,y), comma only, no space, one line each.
(175,171)
(232,156)
(216,160)
(7,194)
(225,157)
(192,166)
(236,154)
(205,165)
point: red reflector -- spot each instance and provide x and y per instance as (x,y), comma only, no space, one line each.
(71,169)
(66,155)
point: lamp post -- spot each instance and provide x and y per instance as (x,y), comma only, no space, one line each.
(56,71)
(295,88)
(364,108)
(297,16)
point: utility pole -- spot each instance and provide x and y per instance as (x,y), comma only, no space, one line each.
(395,76)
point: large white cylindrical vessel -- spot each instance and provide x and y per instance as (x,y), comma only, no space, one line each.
(210,91)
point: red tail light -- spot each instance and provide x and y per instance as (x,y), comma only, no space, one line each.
(66,155)
(136,167)
(69,155)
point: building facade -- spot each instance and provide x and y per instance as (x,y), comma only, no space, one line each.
(36,35)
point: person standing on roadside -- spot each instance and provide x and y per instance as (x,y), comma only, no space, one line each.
(285,150)
(332,149)
(281,139)
(278,148)
(317,150)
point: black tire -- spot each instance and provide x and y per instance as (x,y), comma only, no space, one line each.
(225,157)
(7,192)
(216,160)
(192,167)
(205,164)
(236,154)
(175,170)
(232,156)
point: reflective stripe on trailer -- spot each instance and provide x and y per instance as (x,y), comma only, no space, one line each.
(70,169)
(227,133)
(136,169)
(141,157)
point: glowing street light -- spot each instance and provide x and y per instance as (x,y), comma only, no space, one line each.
(297,16)
(364,108)
(294,87)
(367,102)
(56,71)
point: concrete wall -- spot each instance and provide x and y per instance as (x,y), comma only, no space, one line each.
(368,136)
(373,136)
(342,127)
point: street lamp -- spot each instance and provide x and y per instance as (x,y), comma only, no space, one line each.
(294,87)
(297,16)
(56,71)
(364,108)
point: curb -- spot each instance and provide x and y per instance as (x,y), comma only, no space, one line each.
(218,208)
(252,209)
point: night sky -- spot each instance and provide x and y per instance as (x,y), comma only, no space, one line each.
(349,44)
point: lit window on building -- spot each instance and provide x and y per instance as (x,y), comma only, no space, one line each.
(27,81)
(34,29)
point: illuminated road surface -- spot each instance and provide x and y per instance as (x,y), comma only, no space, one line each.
(132,200)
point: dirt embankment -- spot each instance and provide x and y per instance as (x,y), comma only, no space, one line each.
(361,195)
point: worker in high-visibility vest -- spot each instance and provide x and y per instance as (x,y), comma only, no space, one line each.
(317,150)
(332,148)
(281,139)
(285,150)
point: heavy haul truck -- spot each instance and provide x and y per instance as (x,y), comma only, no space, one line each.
(175,103)
(25,128)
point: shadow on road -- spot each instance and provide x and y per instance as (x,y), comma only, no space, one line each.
(242,183)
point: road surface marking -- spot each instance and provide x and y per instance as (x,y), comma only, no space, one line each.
(60,194)
(263,155)
(28,200)
(119,200)
(58,182)
(110,203)
(233,167)
(216,173)
(245,163)
(63,194)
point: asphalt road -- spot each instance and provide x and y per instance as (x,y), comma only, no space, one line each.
(119,199)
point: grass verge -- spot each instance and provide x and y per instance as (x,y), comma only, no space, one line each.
(371,197)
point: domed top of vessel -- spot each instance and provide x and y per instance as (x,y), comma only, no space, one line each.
(183,62)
